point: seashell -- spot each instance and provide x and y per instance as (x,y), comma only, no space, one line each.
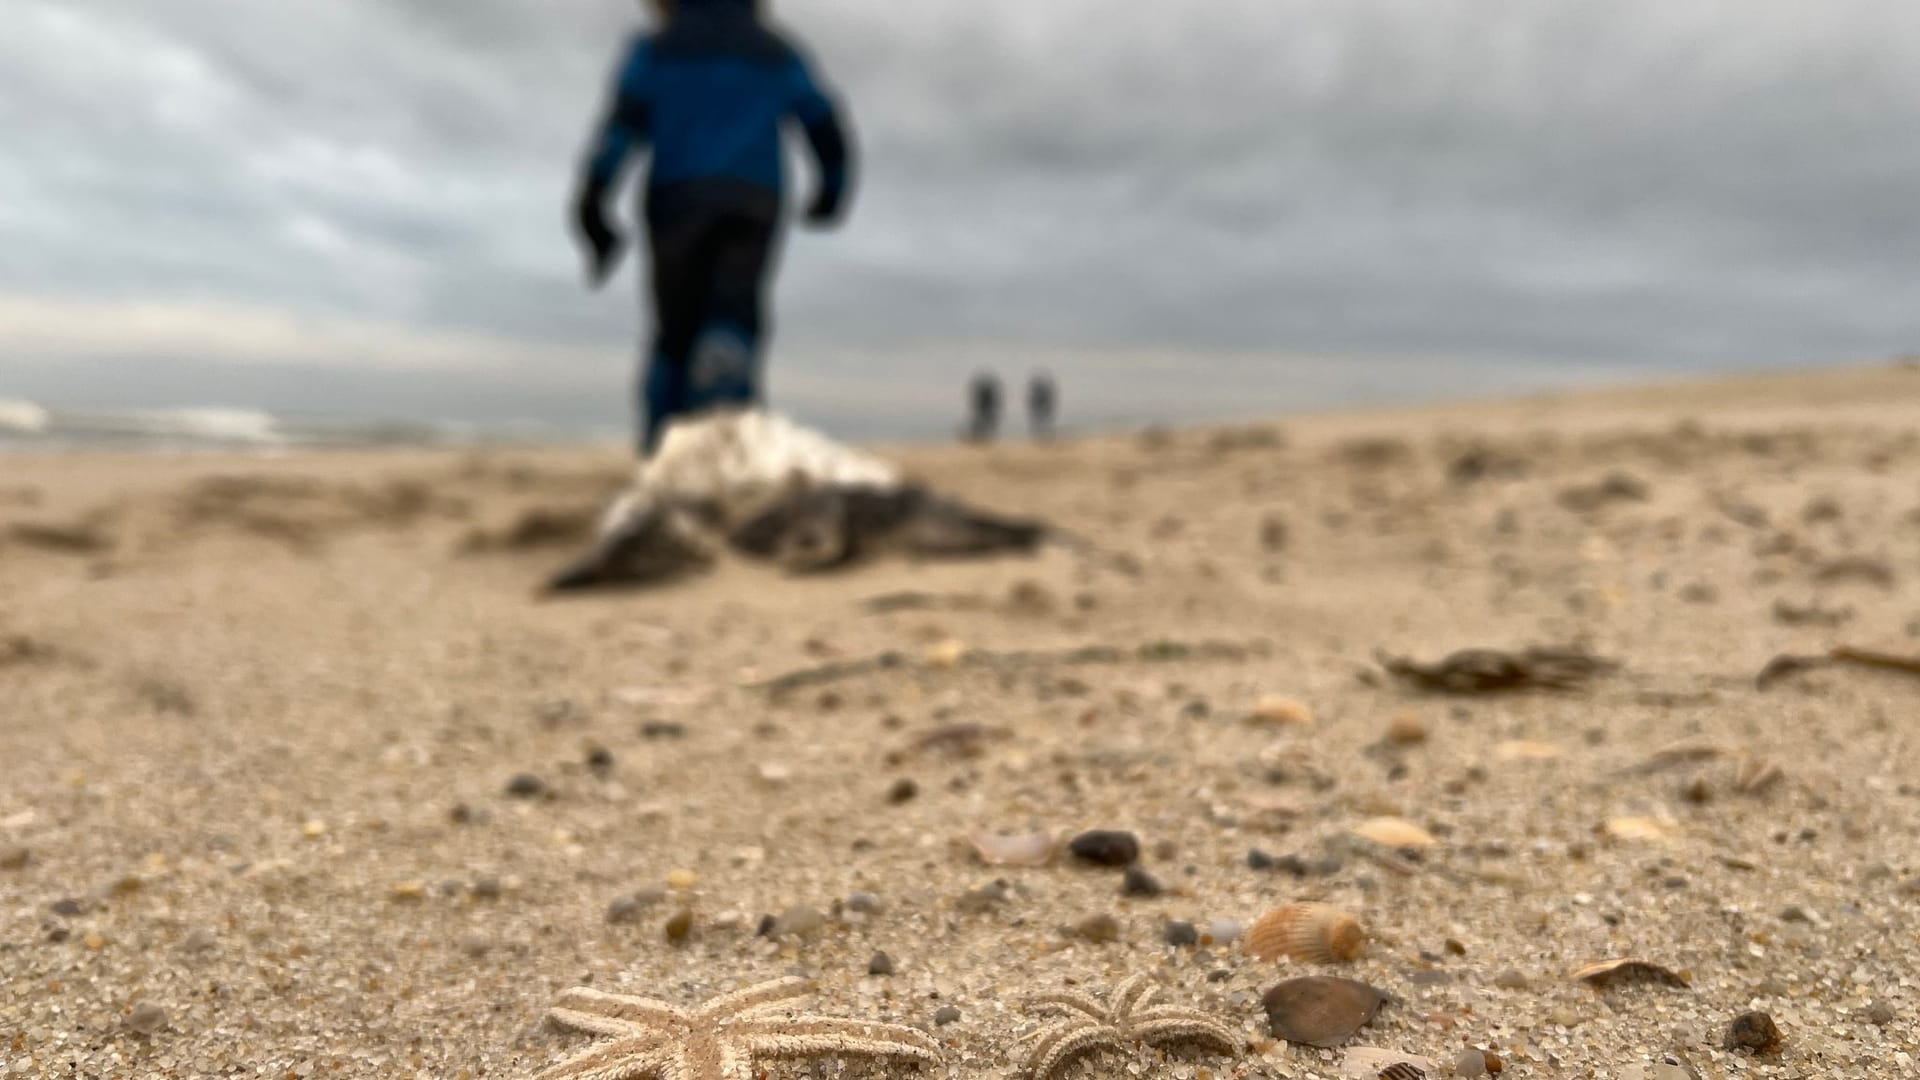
(1394,832)
(1638,828)
(1281,712)
(1612,973)
(1523,750)
(1026,849)
(1371,1062)
(1319,1010)
(1316,933)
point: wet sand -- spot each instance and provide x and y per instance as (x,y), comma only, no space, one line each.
(290,752)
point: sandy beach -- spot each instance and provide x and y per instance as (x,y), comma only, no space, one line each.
(299,778)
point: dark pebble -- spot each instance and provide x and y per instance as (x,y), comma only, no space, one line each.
(947,1015)
(487,888)
(881,964)
(904,790)
(14,858)
(680,927)
(69,907)
(1182,935)
(1141,883)
(600,760)
(662,729)
(526,786)
(624,909)
(768,924)
(1754,1031)
(1880,1014)
(1106,848)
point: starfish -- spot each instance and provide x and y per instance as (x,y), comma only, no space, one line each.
(720,1040)
(1128,1016)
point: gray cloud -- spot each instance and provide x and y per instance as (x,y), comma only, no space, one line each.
(1552,187)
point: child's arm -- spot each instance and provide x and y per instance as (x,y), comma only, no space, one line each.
(820,118)
(627,126)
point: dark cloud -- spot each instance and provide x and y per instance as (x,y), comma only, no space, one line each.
(1571,185)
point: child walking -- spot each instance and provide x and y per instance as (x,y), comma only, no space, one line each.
(709,94)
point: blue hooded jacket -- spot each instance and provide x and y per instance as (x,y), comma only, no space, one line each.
(710,94)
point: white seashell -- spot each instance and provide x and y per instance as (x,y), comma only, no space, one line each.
(1028,849)
(1394,832)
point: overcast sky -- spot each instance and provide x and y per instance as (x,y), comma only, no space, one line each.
(1192,208)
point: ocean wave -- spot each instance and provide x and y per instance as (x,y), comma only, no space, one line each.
(30,426)
(23,417)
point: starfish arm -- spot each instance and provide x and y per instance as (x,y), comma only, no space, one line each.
(595,1024)
(1067,1041)
(1156,1030)
(759,998)
(1068,1001)
(1135,992)
(625,1059)
(823,1036)
(636,1011)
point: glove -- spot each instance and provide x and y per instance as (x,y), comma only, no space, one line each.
(604,243)
(824,211)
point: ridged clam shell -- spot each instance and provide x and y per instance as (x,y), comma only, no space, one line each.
(1316,933)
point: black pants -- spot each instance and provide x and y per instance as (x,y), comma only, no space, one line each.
(713,250)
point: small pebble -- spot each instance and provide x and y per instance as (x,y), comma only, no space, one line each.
(904,790)
(799,922)
(881,964)
(1795,914)
(1182,935)
(1098,929)
(14,857)
(865,903)
(147,1019)
(1510,979)
(946,1015)
(1470,1063)
(682,880)
(526,786)
(1224,932)
(475,945)
(600,760)
(1754,1031)
(486,888)
(1106,847)
(981,900)
(624,909)
(663,729)
(1142,884)
(69,907)
(680,927)
(1880,1014)
(199,941)
(93,941)
(1455,947)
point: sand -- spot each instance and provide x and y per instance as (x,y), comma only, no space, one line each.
(260,718)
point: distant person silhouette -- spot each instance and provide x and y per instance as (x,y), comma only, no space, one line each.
(983,407)
(1043,402)
(709,93)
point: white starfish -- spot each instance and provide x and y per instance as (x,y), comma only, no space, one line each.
(1127,1016)
(720,1040)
